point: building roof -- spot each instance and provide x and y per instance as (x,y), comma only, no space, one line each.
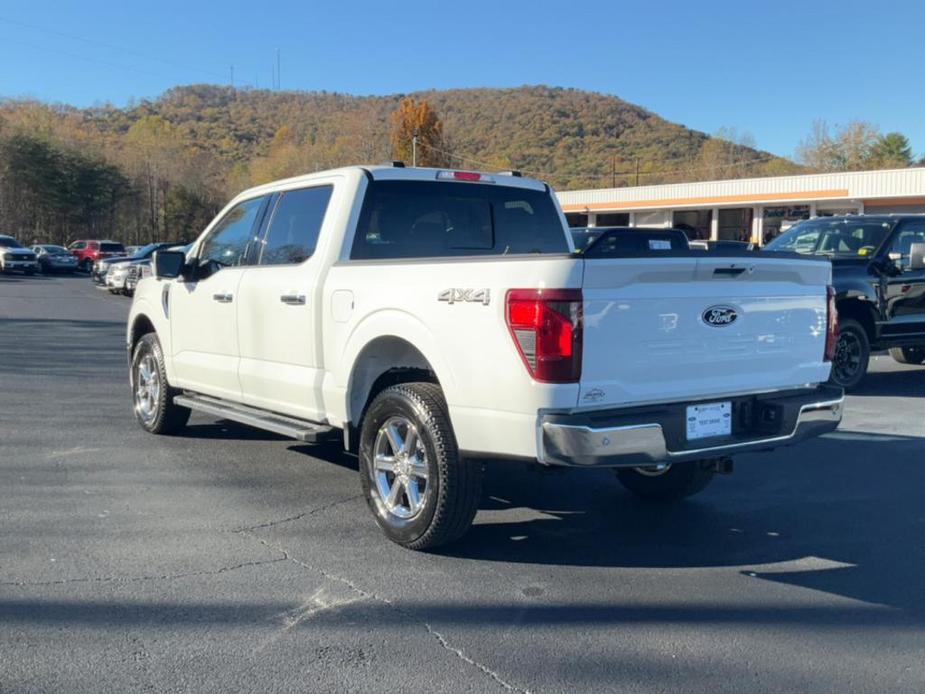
(849,186)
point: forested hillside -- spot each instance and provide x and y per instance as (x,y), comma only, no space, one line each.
(160,168)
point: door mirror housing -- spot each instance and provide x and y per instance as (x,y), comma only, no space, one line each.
(169,265)
(917,256)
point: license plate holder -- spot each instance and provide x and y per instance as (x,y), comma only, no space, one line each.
(709,420)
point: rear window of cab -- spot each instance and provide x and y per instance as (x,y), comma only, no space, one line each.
(428,219)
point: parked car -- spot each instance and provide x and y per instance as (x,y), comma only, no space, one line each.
(101,268)
(628,239)
(53,258)
(430,319)
(88,252)
(132,250)
(16,258)
(878,264)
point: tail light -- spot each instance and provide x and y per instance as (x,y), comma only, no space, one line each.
(831,331)
(546,327)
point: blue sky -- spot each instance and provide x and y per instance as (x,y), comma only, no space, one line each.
(765,68)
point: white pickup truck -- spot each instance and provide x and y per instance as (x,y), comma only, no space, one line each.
(433,319)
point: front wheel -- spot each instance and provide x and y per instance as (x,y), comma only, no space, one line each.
(852,355)
(667,482)
(153,397)
(421,493)
(908,355)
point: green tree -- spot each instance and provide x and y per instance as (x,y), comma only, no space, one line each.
(892,151)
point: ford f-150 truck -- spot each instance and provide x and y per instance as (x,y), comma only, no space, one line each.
(433,319)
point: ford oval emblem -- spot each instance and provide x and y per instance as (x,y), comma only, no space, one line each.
(720,316)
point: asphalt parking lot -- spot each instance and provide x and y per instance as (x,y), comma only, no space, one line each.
(229,559)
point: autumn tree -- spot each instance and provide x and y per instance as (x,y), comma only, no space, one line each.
(848,148)
(417,118)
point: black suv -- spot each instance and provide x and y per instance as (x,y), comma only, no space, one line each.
(878,269)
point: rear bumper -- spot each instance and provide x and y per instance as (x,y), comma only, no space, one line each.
(649,435)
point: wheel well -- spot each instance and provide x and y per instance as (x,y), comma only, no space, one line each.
(141,326)
(861,312)
(384,362)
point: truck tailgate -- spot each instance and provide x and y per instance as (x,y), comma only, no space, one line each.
(692,327)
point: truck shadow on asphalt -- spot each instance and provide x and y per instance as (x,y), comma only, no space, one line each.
(843,514)
(904,382)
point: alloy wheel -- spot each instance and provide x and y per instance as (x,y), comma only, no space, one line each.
(847,360)
(147,388)
(400,468)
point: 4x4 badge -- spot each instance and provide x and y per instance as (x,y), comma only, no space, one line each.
(455,296)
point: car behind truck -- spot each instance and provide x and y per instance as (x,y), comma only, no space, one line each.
(431,319)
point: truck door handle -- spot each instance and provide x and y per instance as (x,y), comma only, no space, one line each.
(223,298)
(732,271)
(293,299)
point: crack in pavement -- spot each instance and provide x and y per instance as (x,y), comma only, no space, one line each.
(300,516)
(438,637)
(135,579)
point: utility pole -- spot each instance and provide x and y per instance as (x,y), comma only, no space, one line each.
(414,148)
(613,170)
(278,79)
(637,171)
(232,76)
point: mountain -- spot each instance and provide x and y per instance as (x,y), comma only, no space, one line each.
(167,163)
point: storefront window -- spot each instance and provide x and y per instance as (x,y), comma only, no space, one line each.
(576,220)
(694,223)
(614,219)
(735,224)
(778,219)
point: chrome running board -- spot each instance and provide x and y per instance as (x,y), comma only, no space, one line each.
(298,429)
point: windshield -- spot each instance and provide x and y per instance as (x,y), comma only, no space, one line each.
(54,250)
(833,237)
(145,251)
(583,238)
(7,242)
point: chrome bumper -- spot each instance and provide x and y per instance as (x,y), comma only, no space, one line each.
(624,438)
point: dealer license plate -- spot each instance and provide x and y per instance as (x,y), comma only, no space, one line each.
(706,421)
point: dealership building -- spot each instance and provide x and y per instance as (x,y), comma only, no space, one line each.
(754,209)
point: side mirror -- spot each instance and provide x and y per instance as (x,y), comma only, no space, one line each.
(917,256)
(884,267)
(169,265)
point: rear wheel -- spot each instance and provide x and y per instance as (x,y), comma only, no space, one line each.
(908,355)
(152,394)
(852,355)
(667,482)
(421,493)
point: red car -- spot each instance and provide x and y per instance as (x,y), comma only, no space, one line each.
(88,252)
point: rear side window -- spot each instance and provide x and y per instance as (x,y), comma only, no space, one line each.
(423,219)
(295,226)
